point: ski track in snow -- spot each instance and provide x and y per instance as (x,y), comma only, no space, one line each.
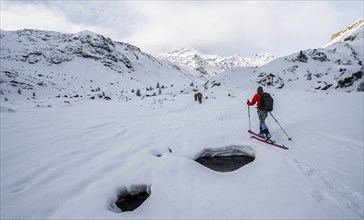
(352,198)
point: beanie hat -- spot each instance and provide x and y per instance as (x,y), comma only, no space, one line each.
(260,89)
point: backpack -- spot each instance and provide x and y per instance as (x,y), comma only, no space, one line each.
(266,102)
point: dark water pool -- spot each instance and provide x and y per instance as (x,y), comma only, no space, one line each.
(224,163)
(129,200)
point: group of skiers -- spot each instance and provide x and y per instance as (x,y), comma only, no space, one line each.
(199,97)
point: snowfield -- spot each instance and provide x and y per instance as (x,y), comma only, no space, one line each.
(71,160)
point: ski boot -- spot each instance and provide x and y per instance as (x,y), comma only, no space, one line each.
(261,133)
(267,135)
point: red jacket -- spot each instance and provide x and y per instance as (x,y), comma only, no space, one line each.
(256,99)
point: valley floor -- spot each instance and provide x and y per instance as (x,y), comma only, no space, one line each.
(70,160)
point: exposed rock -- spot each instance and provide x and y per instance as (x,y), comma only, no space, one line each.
(269,79)
(320,56)
(348,81)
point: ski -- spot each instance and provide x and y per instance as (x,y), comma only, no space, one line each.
(271,142)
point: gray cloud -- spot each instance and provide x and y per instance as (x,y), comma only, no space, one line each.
(224,28)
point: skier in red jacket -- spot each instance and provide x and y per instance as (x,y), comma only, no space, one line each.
(263,129)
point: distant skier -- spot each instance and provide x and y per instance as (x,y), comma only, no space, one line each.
(195,96)
(262,113)
(200,96)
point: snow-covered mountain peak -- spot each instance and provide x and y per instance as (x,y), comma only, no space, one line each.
(260,59)
(190,50)
(87,32)
(352,33)
(185,51)
(52,64)
(338,66)
(213,64)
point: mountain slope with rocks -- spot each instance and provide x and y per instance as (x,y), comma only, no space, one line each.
(49,64)
(337,66)
(348,34)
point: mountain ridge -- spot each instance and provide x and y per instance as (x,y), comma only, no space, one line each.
(337,66)
(60,64)
(212,65)
(47,64)
(348,33)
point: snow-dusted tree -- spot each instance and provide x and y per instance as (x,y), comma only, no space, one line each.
(192,84)
(19,91)
(6,99)
(132,90)
(160,91)
(138,93)
(158,85)
(33,94)
(1,92)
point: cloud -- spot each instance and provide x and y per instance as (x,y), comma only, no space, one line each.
(228,28)
(215,27)
(20,16)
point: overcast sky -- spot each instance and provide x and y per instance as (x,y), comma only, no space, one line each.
(214,27)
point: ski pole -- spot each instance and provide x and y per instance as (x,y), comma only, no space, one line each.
(250,127)
(280,126)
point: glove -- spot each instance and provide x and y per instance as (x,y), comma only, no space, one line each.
(247,102)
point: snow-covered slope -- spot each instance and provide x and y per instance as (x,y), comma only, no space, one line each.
(49,64)
(212,65)
(336,66)
(72,161)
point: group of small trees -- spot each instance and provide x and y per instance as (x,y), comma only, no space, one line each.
(19,91)
(139,93)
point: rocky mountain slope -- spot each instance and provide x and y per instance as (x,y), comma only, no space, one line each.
(211,65)
(46,65)
(49,64)
(348,34)
(338,65)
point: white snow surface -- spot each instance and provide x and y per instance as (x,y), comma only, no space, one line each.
(70,160)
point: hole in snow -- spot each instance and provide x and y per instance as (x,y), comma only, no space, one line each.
(226,159)
(128,199)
